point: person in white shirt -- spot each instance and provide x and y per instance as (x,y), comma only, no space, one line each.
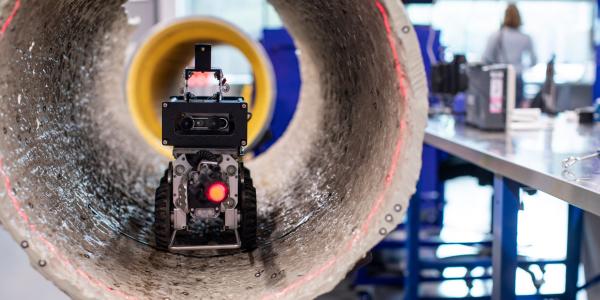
(511,46)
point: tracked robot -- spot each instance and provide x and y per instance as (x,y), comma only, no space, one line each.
(206,199)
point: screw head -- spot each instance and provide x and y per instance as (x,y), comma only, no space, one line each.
(244,143)
(179,170)
(231,170)
(398,207)
(244,105)
(42,263)
(24,244)
(389,218)
(165,105)
(230,203)
(383,231)
(165,142)
(405,29)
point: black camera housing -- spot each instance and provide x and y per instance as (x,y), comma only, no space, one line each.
(450,78)
(232,111)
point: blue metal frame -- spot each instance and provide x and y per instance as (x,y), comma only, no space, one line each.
(573,252)
(597,48)
(504,259)
(280,47)
(411,285)
(504,248)
(430,189)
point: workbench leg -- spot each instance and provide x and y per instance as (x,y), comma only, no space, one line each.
(430,188)
(411,284)
(504,255)
(575,229)
(441,202)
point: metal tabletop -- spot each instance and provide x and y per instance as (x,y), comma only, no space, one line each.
(530,157)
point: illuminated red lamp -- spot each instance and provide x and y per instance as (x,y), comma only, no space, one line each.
(217,192)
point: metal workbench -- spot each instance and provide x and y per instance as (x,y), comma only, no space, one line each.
(532,158)
(520,159)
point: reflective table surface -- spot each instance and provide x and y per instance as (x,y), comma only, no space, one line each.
(530,157)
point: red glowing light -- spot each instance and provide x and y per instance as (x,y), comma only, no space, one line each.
(217,192)
(200,79)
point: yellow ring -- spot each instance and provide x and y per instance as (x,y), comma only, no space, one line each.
(158,64)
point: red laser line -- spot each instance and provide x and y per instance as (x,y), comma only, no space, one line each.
(390,37)
(10,17)
(401,78)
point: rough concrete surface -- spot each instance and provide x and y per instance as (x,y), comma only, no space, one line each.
(77,181)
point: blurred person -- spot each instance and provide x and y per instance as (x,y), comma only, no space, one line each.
(511,46)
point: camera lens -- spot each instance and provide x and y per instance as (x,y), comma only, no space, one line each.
(200,123)
(186,123)
(213,123)
(216,123)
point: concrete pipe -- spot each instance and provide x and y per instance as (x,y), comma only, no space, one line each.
(77,179)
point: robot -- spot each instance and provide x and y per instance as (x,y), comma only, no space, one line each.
(206,199)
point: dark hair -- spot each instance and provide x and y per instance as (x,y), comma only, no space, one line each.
(512,17)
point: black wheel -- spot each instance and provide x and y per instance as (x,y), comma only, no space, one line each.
(162,211)
(249,214)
